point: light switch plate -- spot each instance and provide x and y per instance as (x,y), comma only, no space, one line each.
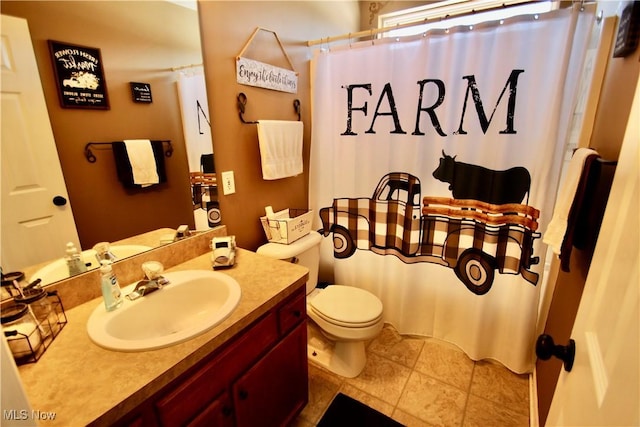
(228,183)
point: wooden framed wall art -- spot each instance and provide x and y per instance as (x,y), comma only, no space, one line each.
(79,76)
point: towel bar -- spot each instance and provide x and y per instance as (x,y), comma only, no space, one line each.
(242,102)
(91,158)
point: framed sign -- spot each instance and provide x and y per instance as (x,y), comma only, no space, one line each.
(255,73)
(141,92)
(628,29)
(79,76)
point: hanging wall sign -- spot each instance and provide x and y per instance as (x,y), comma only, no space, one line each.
(79,76)
(255,73)
(141,92)
(628,29)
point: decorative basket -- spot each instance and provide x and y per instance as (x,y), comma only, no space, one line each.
(287,225)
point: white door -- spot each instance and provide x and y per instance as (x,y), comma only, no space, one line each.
(33,228)
(603,388)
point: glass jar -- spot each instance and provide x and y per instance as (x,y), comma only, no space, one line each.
(21,330)
(40,307)
(10,284)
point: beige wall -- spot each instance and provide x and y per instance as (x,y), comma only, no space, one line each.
(139,41)
(226,27)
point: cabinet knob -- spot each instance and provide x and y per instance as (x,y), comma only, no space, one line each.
(226,411)
(243,394)
(297,313)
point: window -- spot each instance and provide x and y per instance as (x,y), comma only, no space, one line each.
(450,13)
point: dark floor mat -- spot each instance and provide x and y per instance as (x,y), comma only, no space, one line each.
(348,412)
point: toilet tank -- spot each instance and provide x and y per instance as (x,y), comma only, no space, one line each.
(305,250)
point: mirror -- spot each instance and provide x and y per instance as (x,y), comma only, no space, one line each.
(127,21)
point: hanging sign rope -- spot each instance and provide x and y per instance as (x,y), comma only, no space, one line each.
(255,73)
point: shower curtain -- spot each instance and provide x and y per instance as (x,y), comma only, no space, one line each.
(196,127)
(434,165)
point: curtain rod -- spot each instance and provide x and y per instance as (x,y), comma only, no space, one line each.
(375,31)
(182,67)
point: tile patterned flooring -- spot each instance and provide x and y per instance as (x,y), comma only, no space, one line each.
(424,382)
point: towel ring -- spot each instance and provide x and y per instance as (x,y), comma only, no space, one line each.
(242,103)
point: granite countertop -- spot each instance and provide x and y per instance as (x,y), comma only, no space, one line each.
(82,383)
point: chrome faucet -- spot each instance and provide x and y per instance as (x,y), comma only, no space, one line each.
(153,280)
(103,252)
(146,286)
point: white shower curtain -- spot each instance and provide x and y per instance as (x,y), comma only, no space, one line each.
(434,164)
(192,92)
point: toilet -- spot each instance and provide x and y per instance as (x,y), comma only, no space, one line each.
(347,316)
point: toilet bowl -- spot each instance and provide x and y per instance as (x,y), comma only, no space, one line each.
(346,316)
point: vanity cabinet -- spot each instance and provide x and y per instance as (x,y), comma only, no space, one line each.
(274,390)
(259,378)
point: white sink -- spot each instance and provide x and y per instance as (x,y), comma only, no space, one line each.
(58,270)
(194,302)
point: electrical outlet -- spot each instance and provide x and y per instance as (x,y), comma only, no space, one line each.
(228,183)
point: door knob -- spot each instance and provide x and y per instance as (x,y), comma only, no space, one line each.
(545,348)
(59,201)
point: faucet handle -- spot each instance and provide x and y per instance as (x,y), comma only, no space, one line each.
(152,269)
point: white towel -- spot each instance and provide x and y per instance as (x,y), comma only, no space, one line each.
(280,148)
(143,162)
(557,228)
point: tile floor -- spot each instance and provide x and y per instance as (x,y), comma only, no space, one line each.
(424,382)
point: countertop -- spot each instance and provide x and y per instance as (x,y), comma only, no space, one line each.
(82,383)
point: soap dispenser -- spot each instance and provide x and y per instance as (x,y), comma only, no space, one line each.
(110,287)
(75,264)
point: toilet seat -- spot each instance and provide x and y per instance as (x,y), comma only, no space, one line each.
(347,306)
(345,324)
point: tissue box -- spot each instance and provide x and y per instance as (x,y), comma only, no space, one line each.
(287,226)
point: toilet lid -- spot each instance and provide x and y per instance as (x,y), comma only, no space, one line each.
(347,304)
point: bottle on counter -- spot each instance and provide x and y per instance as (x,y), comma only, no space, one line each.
(110,287)
(74,260)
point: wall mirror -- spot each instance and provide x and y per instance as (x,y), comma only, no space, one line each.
(180,74)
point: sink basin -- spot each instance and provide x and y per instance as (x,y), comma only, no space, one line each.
(194,302)
(57,270)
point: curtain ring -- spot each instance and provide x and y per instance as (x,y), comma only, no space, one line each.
(326,43)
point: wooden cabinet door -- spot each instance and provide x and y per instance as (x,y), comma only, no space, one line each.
(219,413)
(275,389)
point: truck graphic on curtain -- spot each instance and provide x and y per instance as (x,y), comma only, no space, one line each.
(473,237)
